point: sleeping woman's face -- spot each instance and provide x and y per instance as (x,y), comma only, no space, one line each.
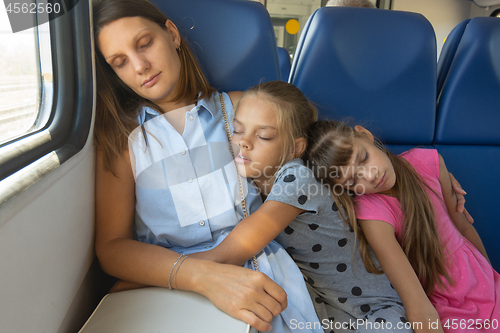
(143,55)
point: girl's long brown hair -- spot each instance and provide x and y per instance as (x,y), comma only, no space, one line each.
(330,146)
(117,105)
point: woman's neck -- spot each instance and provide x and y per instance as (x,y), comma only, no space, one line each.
(170,106)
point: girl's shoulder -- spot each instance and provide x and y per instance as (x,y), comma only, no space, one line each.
(297,168)
(424,160)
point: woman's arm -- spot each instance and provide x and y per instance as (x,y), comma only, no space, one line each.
(240,292)
(380,235)
(460,195)
(252,234)
(459,219)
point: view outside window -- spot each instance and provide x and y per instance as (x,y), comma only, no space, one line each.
(20,79)
(290,16)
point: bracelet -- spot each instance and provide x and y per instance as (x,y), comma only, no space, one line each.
(171,270)
(176,270)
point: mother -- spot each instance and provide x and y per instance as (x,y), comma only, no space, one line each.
(174,189)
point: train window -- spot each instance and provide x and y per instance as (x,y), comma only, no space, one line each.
(46,91)
(289,17)
(25,76)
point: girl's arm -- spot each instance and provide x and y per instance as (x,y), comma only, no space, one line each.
(380,235)
(240,292)
(459,219)
(252,234)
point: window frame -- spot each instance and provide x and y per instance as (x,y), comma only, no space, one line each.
(69,125)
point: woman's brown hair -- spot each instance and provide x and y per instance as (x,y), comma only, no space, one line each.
(331,146)
(117,105)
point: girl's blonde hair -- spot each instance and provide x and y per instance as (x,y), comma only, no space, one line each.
(331,146)
(294,112)
(117,105)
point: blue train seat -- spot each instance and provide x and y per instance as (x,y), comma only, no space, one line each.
(467,131)
(233,40)
(448,52)
(285,63)
(351,62)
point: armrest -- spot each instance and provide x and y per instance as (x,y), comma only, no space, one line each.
(160,310)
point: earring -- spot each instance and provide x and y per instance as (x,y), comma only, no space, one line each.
(178,46)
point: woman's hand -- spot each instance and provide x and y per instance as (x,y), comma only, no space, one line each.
(459,193)
(240,292)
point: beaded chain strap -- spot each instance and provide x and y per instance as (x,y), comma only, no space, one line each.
(229,138)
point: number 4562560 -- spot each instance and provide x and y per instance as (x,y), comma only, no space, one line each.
(471,324)
(33,8)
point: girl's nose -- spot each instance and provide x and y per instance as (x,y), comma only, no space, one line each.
(369,173)
(244,143)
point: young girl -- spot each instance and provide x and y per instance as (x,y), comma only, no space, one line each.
(270,127)
(406,209)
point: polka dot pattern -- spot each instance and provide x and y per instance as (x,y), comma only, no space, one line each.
(321,243)
(365,308)
(356,291)
(341,267)
(313,226)
(317,248)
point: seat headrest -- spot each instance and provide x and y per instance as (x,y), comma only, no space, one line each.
(285,63)
(468,109)
(448,53)
(233,40)
(374,65)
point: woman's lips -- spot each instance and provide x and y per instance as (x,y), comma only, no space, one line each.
(151,81)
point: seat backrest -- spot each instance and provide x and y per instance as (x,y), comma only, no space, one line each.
(468,109)
(233,40)
(285,63)
(467,130)
(352,62)
(448,53)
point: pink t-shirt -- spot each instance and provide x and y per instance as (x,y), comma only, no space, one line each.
(475,293)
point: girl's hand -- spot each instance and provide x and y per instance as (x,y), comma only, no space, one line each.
(240,292)
(459,193)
